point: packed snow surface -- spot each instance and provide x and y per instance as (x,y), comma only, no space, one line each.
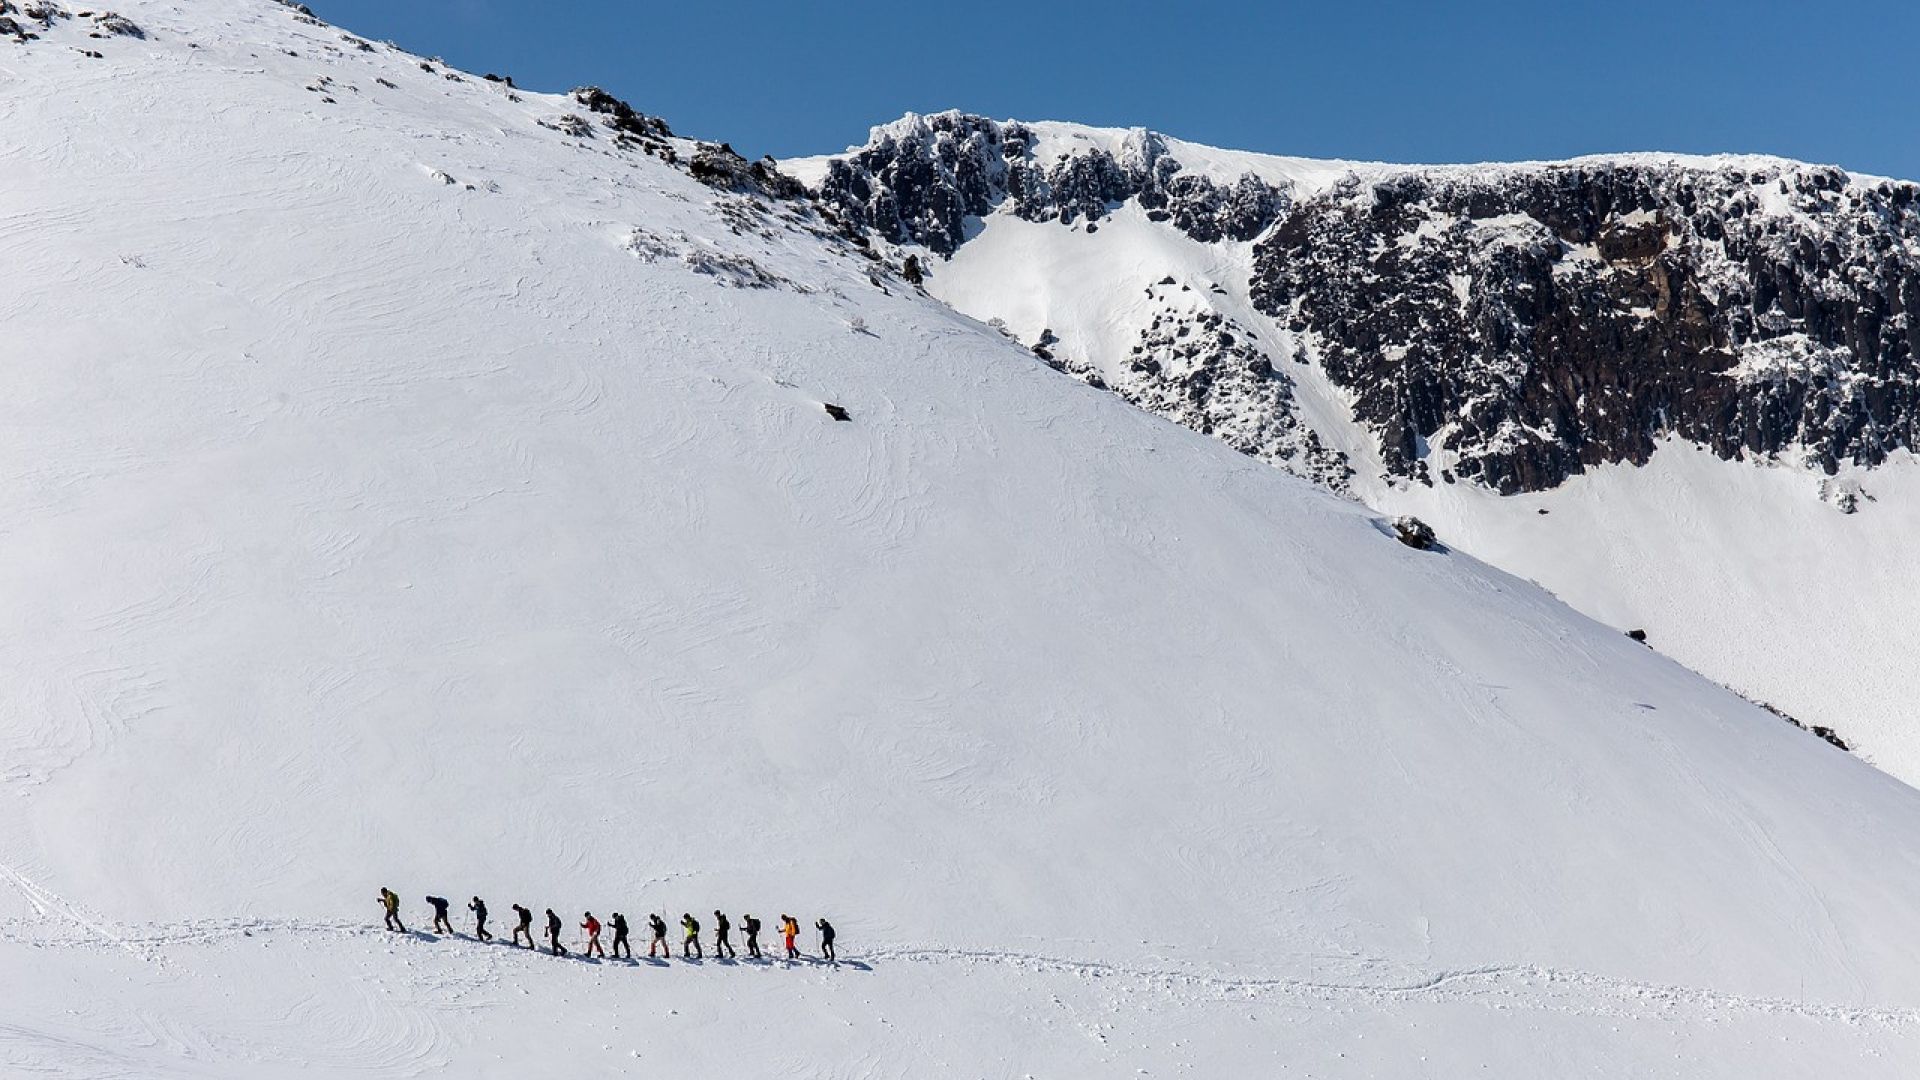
(398,491)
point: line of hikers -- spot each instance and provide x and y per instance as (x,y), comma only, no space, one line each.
(689,946)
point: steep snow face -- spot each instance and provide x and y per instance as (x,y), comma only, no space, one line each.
(1745,570)
(1421,337)
(413,481)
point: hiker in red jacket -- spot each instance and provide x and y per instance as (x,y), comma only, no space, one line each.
(592,927)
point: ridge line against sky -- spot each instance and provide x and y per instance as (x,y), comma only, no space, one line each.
(1397,81)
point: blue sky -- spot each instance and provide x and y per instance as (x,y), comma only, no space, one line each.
(1398,80)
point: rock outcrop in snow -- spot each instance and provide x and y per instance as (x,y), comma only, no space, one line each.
(920,178)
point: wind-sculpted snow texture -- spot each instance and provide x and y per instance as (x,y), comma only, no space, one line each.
(404,486)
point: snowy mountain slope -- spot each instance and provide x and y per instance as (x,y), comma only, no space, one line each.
(407,483)
(1423,337)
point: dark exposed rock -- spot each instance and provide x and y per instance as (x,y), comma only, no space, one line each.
(1638,635)
(1415,533)
(1202,369)
(1538,321)
(1823,732)
(918,181)
(717,165)
(620,115)
(836,411)
(577,127)
(110,23)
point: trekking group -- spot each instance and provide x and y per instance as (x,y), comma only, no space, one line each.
(789,929)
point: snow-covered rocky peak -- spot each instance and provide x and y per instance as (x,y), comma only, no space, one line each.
(1441,339)
(1516,323)
(921,177)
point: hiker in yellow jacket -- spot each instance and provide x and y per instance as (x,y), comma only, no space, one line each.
(391,901)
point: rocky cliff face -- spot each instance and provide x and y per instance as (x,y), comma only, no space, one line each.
(1538,320)
(1509,325)
(920,179)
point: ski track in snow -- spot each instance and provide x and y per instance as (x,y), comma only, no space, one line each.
(1496,986)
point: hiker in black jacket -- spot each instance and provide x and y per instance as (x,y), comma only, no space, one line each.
(440,913)
(525,927)
(620,935)
(720,943)
(479,909)
(751,926)
(553,933)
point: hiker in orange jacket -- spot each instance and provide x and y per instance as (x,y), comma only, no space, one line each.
(790,927)
(592,927)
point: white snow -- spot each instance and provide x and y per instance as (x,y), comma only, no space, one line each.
(1735,568)
(359,528)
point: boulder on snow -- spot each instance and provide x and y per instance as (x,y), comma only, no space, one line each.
(1821,731)
(569,124)
(718,165)
(110,23)
(1638,635)
(836,411)
(1415,533)
(621,116)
